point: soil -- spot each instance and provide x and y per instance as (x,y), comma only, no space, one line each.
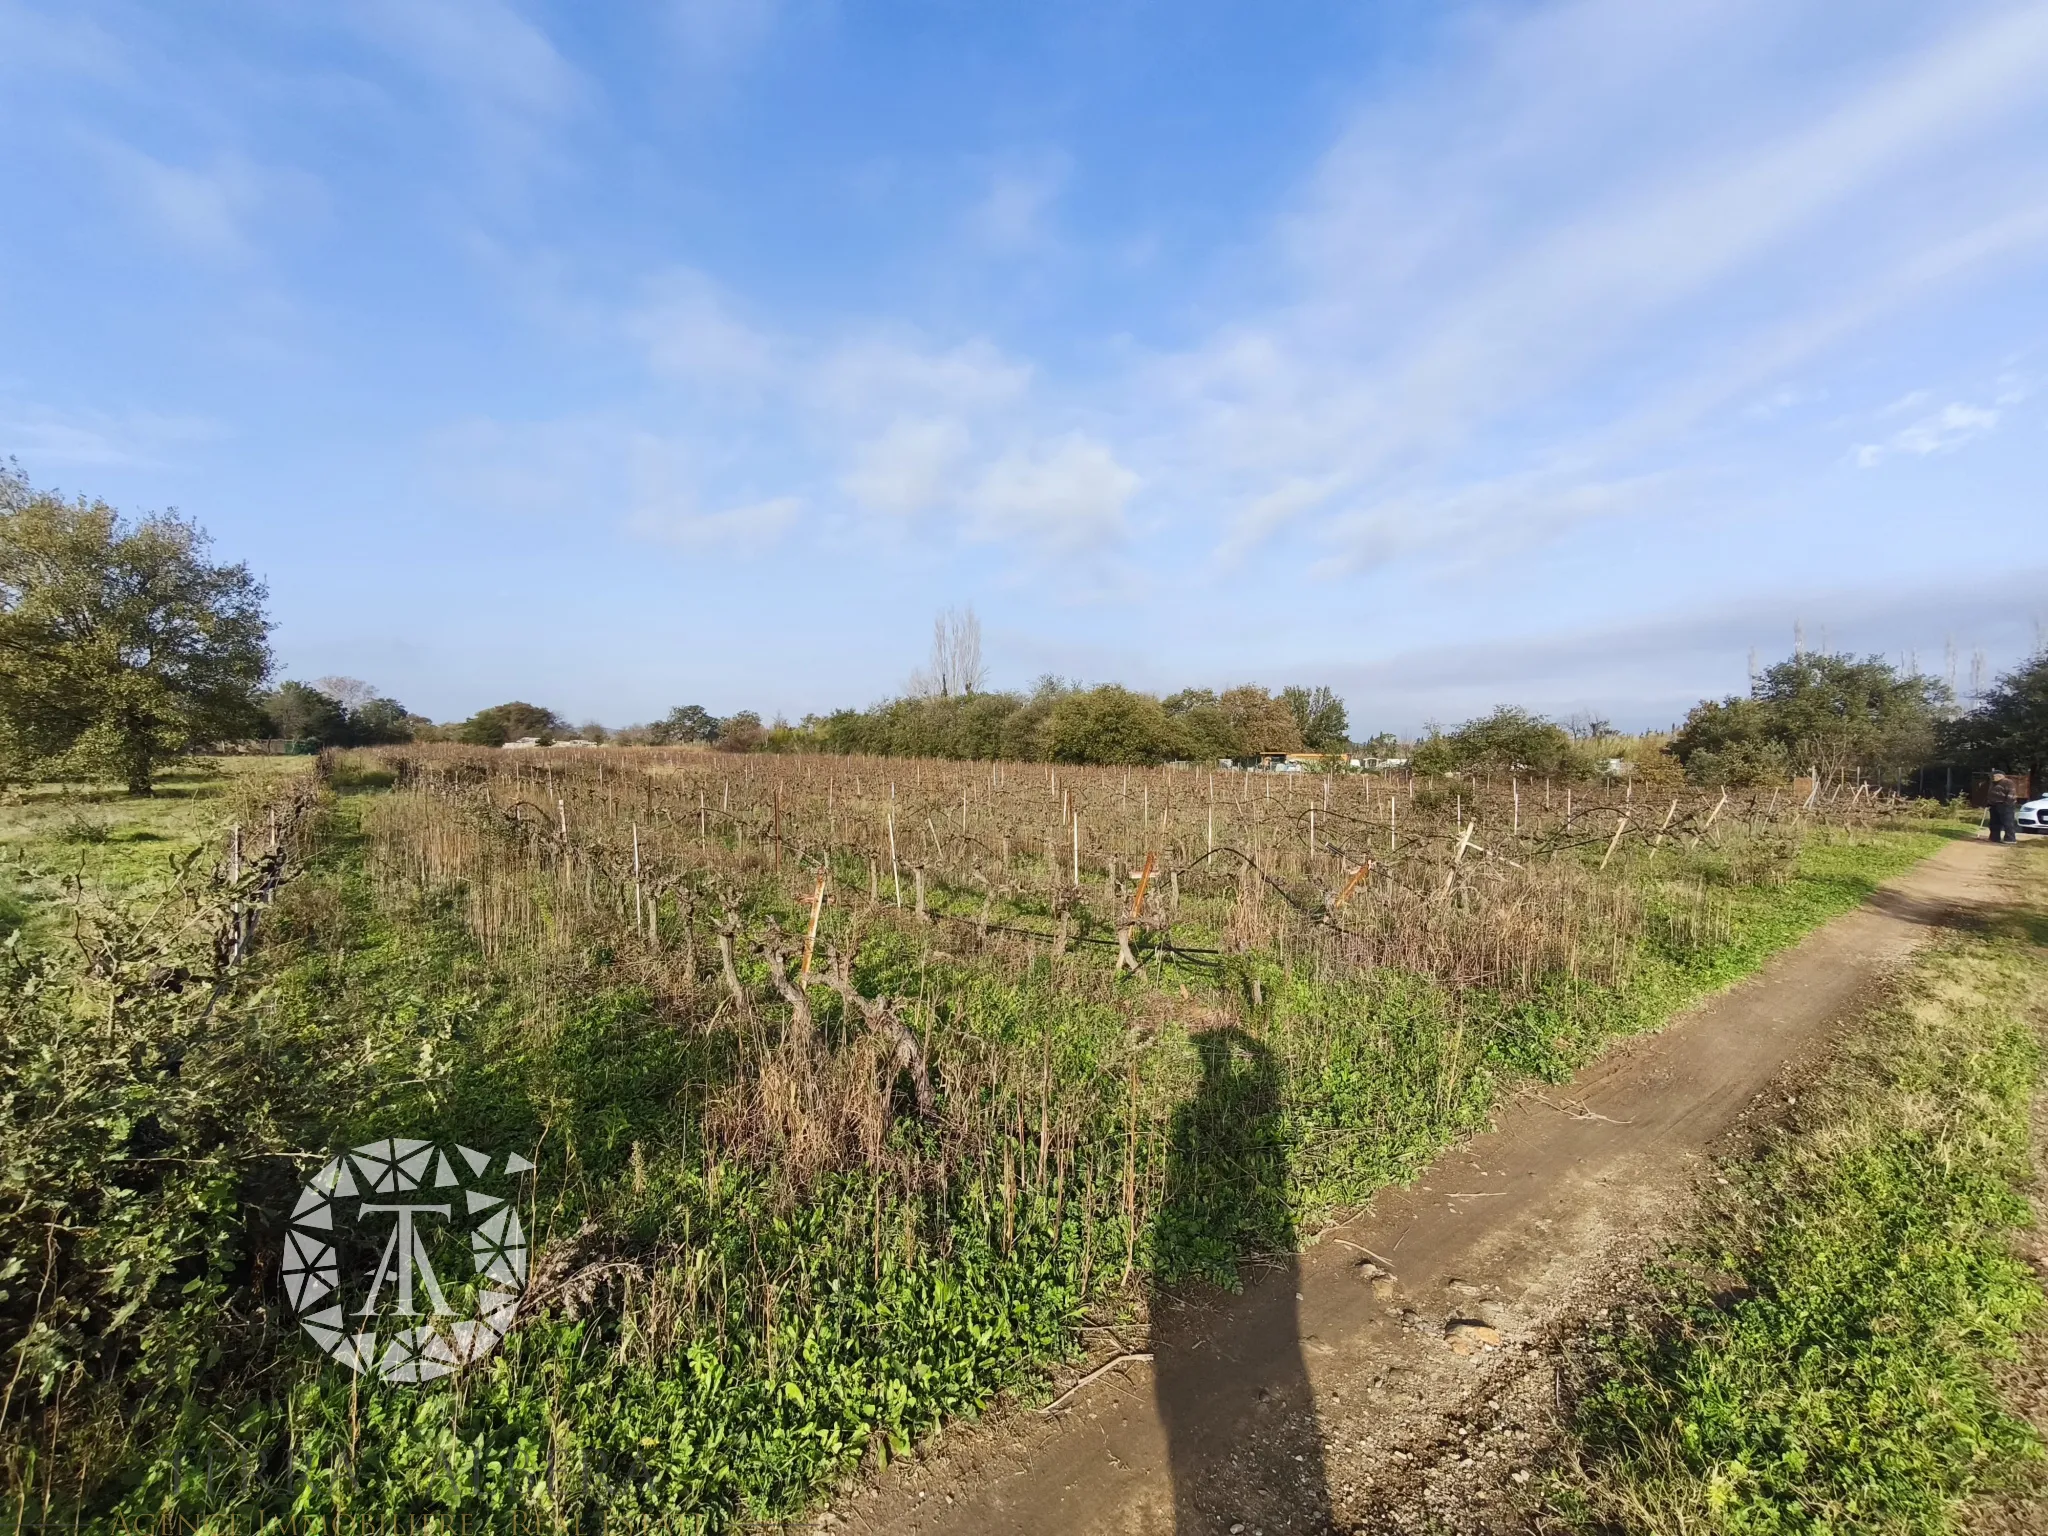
(1401,1373)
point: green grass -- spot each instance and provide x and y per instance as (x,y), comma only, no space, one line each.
(117,848)
(1818,1360)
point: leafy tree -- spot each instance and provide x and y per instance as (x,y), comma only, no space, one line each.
(1261,722)
(1060,720)
(1384,744)
(298,712)
(120,643)
(1319,718)
(741,732)
(1733,743)
(1509,740)
(515,721)
(1830,712)
(1240,722)
(2009,727)
(1207,733)
(315,714)
(682,725)
(1110,725)
(378,721)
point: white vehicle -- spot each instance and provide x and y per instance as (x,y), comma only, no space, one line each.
(2032,816)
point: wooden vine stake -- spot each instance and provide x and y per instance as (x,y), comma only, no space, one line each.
(1659,838)
(1614,842)
(811,934)
(1464,842)
(895,871)
(1125,960)
(1145,879)
(1711,817)
(1357,877)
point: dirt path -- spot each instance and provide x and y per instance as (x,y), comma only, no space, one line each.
(1331,1394)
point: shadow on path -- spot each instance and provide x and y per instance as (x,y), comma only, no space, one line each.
(1229,1375)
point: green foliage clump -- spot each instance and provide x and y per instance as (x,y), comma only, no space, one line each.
(1245,721)
(1319,717)
(515,721)
(1828,712)
(2009,727)
(1064,723)
(1109,725)
(1510,740)
(146,1113)
(311,716)
(120,643)
(681,726)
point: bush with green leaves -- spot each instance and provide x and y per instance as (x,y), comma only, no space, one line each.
(1831,713)
(1510,740)
(515,721)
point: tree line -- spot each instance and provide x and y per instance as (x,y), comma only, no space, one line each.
(123,644)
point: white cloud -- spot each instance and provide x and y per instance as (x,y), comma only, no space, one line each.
(205,212)
(688,330)
(1562,249)
(32,43)
(740,530)
(1269,513)
(494,57)
(910,467)
(716,34)
(877,374)
(492,74)
(1785,397)
(1942,432)
(1483,522)
(605,475)
(1538,283)
(1066,496)
(47,437)
(1011,215)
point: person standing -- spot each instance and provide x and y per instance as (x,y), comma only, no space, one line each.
(2003,803)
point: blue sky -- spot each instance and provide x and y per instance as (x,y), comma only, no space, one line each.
(700,350)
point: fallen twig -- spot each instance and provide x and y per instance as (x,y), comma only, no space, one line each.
(1579,1111)
(1101,1370)
(1360,1247)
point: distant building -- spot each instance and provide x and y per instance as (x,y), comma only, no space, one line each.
(1289,762)
(528,743)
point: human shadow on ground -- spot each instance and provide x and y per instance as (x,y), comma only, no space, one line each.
(1230,1379)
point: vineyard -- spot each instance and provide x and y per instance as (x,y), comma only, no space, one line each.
(863,1091)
